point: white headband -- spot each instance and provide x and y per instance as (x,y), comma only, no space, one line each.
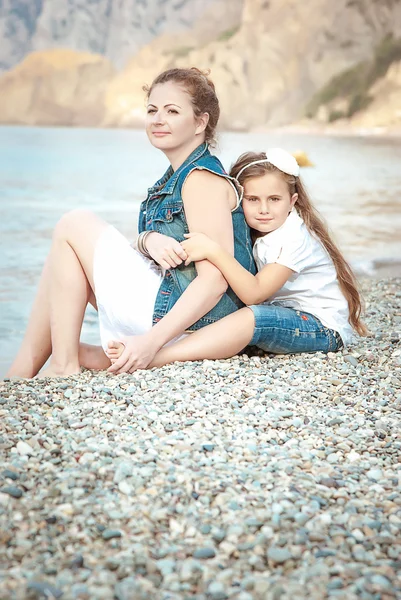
(283,160)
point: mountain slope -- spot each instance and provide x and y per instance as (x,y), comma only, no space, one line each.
(116,29)
(268,62)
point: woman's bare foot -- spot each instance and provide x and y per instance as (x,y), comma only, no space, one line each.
(55,371)
(93,357)
(115,350)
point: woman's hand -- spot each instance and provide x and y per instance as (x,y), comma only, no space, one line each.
(138,353)
(199,246)
(165,250)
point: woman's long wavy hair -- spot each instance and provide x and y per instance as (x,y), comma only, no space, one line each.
(316,227)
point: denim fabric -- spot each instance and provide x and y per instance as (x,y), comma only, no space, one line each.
(163,211)
(282,330)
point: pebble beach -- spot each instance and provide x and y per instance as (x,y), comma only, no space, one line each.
(254,478)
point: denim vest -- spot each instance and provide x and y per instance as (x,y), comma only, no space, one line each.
(163,211)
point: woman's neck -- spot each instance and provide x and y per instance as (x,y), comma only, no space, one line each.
(177,156)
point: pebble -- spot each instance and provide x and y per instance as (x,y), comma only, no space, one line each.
(24,449)
(7,473)
(351,360)
(44,590)
(12,491)
(228,479)
(217,591)
(109,534)
(278,555)
(204,553)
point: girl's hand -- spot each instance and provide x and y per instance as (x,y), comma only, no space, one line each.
(138,353)
(165,250)
(198,246)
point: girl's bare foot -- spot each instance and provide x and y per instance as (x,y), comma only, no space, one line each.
(93,357)
(115,350)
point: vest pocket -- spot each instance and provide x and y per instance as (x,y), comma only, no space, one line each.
(166,214)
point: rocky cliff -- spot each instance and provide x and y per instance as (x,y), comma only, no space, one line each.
(117,29)
(269,62)
(58,87)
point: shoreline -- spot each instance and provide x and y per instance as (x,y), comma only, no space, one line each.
(233,479)
(321,129)
(324,129)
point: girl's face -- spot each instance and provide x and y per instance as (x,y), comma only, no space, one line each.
(267,202)
(171,123)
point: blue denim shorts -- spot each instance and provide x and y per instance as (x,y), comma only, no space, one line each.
(282,330)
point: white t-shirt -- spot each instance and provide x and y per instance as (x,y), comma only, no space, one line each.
(314,285)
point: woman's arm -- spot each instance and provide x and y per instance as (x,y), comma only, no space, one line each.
(251,289)
(207,202)
(206,199)
(164,250)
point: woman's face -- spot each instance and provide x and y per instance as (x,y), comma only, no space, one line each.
(171,123)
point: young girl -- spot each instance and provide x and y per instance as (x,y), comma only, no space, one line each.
(304,297)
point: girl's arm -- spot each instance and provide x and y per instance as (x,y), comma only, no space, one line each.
(251,289)
(207,205)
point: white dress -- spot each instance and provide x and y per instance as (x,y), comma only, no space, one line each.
(126,287)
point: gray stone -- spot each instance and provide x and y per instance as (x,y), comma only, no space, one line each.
(217,591)
(44,590)
(7,473)
(11,490)
(109,534)
(204,553)
(123,470)
(278,555)
(218,535)
(351,360)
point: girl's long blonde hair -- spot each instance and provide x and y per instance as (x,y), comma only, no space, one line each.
(315,226)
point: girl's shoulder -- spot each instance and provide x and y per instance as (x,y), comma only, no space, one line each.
(291,245)
(293,231)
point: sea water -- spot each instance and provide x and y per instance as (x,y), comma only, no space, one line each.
(44,172)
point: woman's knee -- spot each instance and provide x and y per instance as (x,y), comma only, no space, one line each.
(72,222)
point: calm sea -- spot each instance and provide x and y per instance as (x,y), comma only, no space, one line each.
(356,184)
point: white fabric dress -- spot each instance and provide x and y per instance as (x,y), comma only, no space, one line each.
(126,287)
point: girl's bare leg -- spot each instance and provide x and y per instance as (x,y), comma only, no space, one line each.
(222,339)
(65,288)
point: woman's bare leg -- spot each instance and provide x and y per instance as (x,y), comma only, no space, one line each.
(65,288)
(222,339)
(71,282)
(36,345)
(93,357)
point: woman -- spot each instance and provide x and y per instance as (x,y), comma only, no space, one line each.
(90,261)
